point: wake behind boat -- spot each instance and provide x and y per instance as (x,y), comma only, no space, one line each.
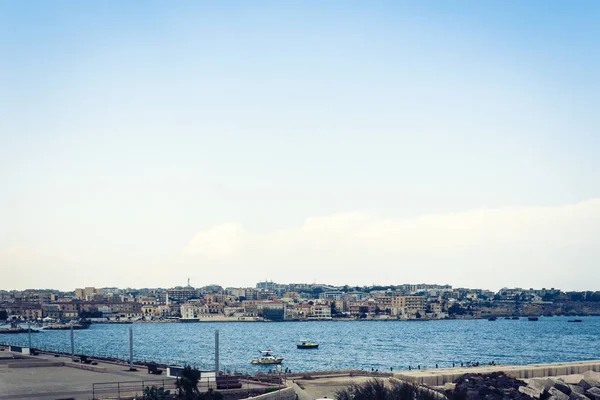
(267,359)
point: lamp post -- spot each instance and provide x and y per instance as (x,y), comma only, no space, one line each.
(216,352)
(72,343)
(131,349)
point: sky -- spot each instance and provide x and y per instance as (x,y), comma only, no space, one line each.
(341,142)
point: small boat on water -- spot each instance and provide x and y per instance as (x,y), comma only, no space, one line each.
(575,320)
(66,327)
(532,318)
(492,318)
(267,359)
(305,344)
(515,318)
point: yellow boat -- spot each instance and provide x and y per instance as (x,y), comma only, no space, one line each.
(305,344)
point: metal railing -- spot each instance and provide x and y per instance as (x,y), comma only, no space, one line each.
(128,389)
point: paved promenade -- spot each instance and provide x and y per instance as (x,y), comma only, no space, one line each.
(46,377)
(440,376)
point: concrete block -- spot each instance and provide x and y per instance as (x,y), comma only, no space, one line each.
(585,385)
(545,383)
(449,386)
(563,387)
(578,396)
(576,389)
(591,376)
(593,393)
(557,394)
(531,392)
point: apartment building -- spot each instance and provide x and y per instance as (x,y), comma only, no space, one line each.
(408,307)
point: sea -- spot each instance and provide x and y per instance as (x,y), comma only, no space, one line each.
(378,345)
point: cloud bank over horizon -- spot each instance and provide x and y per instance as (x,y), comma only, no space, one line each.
(488,248)
(359,143)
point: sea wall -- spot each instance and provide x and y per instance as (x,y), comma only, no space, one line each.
(439,377)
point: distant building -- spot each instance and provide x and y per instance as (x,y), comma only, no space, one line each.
(182,294)
(87,293)
(408,307)
(188,311)
(274,311)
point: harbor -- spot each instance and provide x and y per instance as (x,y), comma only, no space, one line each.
(343,345)
(61,376)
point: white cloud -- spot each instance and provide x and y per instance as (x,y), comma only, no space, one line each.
(220,241)
(530,246)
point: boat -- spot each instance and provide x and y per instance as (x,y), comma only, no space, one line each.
(492,318)
(305,344)
(575,320)
(267,359)
(533,318)
(515,317)
(66,327)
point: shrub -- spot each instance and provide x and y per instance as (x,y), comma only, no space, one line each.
(375,389)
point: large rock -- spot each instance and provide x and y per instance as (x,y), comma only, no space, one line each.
(593,393)
(534,389)
(592,378)
(578,396)
(494,386)
(531,392)
(556,394)
(449,386)
(563,387)
(545,382)
(585,385)
(591,375)
(576,389)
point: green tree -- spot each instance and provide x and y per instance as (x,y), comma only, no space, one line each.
(456,309)
(154,393)
(187,383)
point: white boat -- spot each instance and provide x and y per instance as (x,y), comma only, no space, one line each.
(267,358)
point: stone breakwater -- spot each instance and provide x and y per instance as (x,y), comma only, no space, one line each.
(497,386)
(588,387)
(557,381)
(441,376)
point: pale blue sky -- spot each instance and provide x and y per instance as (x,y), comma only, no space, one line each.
(132,131)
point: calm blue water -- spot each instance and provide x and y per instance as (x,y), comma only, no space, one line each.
(343,345)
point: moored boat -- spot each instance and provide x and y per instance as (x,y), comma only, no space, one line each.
(267,359)
(532,318)
(305,344)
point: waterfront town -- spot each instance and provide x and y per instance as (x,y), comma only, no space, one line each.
(270,301)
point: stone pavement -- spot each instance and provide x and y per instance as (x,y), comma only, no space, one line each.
(39,378)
